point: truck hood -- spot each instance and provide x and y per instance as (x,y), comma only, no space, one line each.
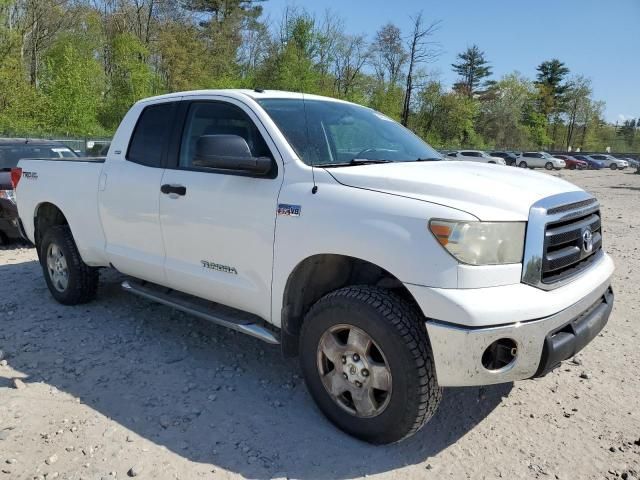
(489,192)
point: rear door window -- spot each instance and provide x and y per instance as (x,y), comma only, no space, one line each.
(152,132)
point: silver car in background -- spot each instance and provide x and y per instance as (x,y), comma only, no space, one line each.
(610,161)
(474,156)
(540,160)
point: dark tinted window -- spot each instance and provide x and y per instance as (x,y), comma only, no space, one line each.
(150,135)
(598,157)
(471,154)
(10,155)
(452,154)
(217,118)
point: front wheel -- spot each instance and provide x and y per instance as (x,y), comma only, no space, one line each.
(613,166)
(69,279)
(368,364)
(523,164)
(548,166)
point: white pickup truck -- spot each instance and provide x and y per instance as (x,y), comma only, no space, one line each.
(329,229)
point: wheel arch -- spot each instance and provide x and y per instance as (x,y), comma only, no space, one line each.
(45,216)
(319,274)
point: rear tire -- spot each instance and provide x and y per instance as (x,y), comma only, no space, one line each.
(523,164)
(70,280)
(393,378)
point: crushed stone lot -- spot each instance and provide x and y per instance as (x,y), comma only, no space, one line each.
(123,387)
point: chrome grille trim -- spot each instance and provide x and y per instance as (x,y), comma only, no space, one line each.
(537,267)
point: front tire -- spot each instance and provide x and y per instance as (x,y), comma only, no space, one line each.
(368,364)
(614,166)
(548,166)
(523,164)
(70,280)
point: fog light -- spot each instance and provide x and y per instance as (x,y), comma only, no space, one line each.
(500,354)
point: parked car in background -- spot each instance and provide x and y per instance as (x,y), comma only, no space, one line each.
(475,156)
(508,157)
(8,211)
(572,162)
(610,161)
(592,163)
(631,161)
(11,152)
(540,160)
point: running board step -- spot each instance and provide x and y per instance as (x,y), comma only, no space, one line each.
(227,317)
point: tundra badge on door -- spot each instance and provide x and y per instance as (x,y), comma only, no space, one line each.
(218,267)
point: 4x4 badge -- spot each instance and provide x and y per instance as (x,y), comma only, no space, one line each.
(289,210)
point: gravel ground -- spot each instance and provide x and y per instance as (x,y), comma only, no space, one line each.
(123,387)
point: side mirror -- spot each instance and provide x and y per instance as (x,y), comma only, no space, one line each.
(229,152)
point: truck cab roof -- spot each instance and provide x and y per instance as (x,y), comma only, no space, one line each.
(239,93)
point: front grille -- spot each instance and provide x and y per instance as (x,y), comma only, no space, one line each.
(564,252)
(571,206)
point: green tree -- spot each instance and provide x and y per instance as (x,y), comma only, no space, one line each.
(131,79)
(500,121)
(73,81)
(577,103)
(446,119)
(472,69)
(552,92)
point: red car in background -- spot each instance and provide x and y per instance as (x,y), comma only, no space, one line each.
(573,163)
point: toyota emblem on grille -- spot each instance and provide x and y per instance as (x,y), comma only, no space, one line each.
(587,240)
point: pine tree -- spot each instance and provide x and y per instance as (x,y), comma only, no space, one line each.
(472,69)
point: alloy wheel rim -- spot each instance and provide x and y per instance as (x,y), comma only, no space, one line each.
(354,371)
(57,267)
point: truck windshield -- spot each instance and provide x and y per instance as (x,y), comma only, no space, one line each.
(332,134)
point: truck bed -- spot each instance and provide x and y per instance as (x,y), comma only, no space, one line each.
(71,185)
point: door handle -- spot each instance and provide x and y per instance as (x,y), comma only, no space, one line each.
(168,189)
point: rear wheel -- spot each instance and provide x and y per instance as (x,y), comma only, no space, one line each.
(368,364)
(548,166)
(523,164)
(69,279)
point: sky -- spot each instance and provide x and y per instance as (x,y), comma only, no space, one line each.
(596,38)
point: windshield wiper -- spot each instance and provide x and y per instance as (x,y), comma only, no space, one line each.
(428,159)
(353,161)
(364,161)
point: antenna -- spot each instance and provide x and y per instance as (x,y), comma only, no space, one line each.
(314,190)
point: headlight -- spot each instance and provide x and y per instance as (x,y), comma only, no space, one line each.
(481,243)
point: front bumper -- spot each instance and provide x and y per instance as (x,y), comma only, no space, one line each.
(540,344)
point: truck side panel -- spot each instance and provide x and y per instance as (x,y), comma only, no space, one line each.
(71,186)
